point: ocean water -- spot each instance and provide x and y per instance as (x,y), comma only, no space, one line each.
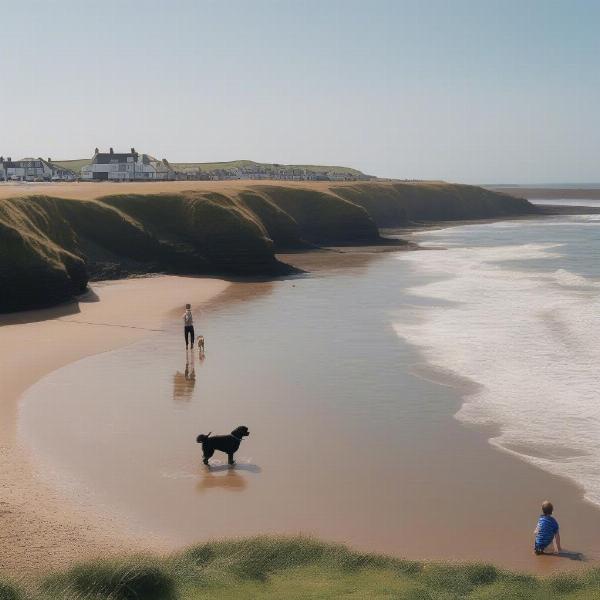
(514,308)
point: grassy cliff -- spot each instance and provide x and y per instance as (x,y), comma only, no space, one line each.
(398,204)
(293,568)
(322,217)
(50,247)
(39,262)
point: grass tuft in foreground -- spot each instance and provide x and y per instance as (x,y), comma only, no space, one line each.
(9,592)
(295,568)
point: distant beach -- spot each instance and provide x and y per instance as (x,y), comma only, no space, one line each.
(566,193)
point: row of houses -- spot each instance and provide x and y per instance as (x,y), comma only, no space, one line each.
(134,166)
(33,169)
(104,166)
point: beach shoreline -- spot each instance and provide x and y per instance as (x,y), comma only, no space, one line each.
(66,536)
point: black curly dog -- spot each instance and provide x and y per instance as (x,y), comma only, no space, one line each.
(225,443)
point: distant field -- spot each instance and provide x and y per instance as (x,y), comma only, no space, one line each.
(244,164)
(73,165)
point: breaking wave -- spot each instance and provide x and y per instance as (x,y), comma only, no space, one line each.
(530,340)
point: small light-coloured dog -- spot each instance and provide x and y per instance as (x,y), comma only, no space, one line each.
(201,343)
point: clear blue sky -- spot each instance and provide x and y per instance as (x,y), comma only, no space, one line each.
(473,91)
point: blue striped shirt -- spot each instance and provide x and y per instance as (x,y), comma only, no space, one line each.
(547,528)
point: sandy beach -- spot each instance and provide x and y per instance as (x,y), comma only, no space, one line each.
(40,529)
(89,190)
(425,486)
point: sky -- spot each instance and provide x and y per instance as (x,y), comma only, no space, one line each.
(477,91)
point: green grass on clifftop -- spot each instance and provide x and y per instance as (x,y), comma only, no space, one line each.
(269,167)
(293,568)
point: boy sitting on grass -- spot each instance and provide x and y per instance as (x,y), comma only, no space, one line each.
(546,530)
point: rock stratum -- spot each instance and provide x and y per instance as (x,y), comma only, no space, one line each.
(51,247)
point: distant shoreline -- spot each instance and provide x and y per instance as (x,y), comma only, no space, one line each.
(548,193)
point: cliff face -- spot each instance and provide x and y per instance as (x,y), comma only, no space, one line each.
(202,232)
(400,204)
(38,259)
(50,247)
(323,217)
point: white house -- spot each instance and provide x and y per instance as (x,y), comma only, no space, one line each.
(33,169)
(26,169)
(127,166)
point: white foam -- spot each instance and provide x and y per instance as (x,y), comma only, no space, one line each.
(568,279)
(532,342)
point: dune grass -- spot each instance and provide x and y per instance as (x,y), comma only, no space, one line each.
(294,568)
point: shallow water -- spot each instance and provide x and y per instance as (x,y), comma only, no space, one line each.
(311,365)
(338,376)
(522,321)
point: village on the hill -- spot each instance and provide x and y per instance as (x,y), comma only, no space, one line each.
(136,166)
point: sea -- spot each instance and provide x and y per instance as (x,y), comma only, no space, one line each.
(515,308)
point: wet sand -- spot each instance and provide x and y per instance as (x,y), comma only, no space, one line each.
(353,437)
(38,527)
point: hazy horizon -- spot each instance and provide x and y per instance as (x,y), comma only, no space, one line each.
(477,92)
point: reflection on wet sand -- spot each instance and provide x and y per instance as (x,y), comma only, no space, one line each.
(352,261)
(235,293)
(230,481)
(226,477)
(184,383)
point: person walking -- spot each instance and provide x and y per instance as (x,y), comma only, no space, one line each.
(188,326)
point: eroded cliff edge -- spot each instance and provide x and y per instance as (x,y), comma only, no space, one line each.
(51,247)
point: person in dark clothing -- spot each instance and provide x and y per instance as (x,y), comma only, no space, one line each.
(188,326)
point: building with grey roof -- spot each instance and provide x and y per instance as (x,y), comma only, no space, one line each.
(126,166)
